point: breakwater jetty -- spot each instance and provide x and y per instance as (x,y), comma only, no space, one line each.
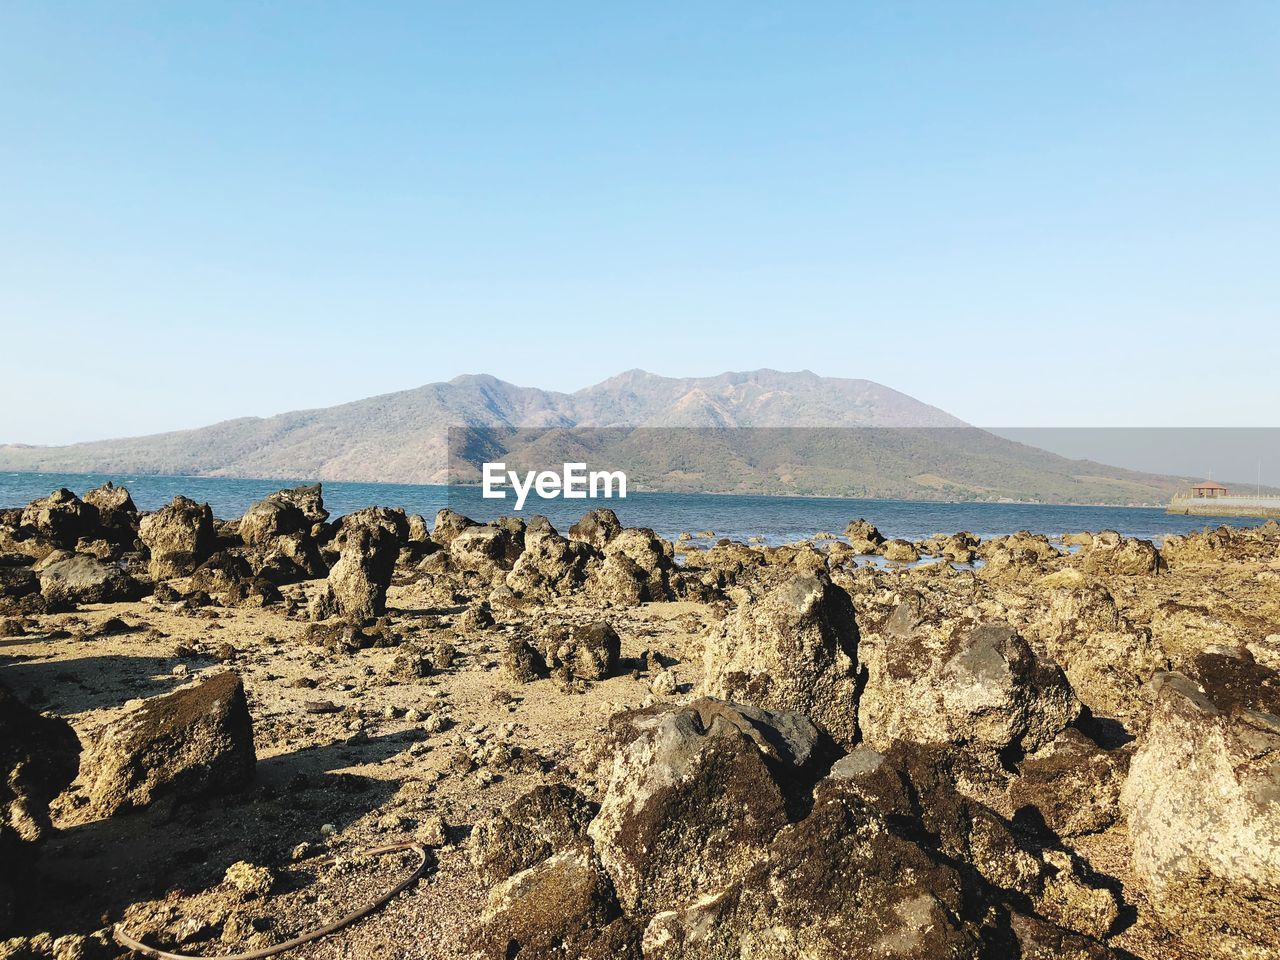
(1225,506)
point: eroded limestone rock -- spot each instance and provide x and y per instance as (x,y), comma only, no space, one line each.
(979,689)
(795,648)
(357,584)
(179,536)
(695,796)
(1203,805)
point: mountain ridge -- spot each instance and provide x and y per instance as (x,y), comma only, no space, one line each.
(402,437)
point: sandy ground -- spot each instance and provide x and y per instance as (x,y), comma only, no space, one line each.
(367,774)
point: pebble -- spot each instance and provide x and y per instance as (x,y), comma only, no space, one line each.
(304,849)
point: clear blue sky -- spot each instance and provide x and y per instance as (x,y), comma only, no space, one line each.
(1025,213)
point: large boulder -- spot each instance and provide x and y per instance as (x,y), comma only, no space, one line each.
(61,518)
(17,581)
(959,547)
(899,551)
(914,788)
(39,757)
(587,651)
(449,523)
(839,884)
(288,558)
(356,588)
(619,580)
(286,512)
(726,831)
(117,515)
(980,689)
(889,861)
(597,528)
(1110,554)
(85,579)
(1223,545)
(520,662)
(793,648)
(229,579)
(281,531)
(1184,629)
(180,536)
(393,522)
(1203,805)
(489,549)
(550,565)
(695,795)
(863,537)
(1018,556)
(727,563)
(637,568)
(189,743)
(1107,659)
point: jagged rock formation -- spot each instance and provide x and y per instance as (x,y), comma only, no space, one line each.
(794,648)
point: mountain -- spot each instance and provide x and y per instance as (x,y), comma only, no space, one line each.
(403,437)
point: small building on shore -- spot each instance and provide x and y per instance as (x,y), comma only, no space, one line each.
(1208,489)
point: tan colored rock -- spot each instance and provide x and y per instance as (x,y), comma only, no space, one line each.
(1203,805)
(449,523)
(619,580)
(298,510)
(519,662)
(694,796)
(959,547)
(549,566)
(562,906)
(1113,555)
(863,537)
(1019,556)
(1108,660)
(795,648)
(981,690)
(356,587)
(1223,545)
(1183,630)
(597,528)
(179,536)
(588,651)
(83,579)
(899,551)
(194,741)
(649,556)
(117,515)
(487,549)
(61,518)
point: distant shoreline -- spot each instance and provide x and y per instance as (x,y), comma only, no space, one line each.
(304,481)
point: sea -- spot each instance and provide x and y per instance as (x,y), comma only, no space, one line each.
(773,520)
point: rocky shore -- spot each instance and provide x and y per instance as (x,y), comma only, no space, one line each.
(613,746)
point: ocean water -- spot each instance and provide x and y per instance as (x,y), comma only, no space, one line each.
(775,519)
